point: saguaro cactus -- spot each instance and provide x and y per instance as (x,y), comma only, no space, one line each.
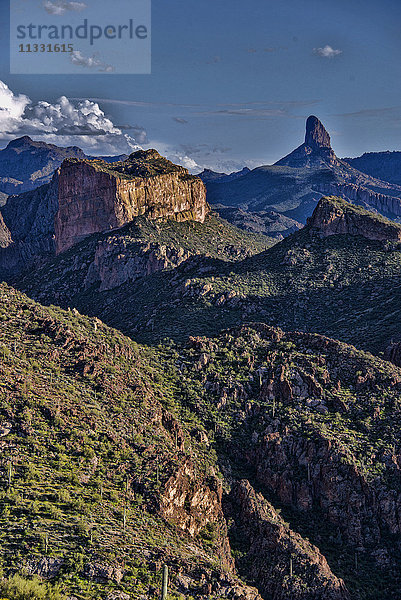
(165,582)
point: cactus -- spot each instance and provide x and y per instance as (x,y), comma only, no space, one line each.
(165,582)
(10,473)
(125,518)
(46,542)
(290,566)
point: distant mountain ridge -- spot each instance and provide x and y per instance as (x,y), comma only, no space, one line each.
(382,165)
(208,175)
(293,186)
(26,164)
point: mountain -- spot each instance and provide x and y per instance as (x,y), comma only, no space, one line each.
(26,164)
(316,151)
(208,175)
(256,464)
(338,276)
(382,165)
(86,197)
(292,187)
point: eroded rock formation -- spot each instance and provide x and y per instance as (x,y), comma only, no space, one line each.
(87,197)
(93,197)
(284,565)
(335,216)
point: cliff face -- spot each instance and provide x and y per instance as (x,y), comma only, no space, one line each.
(335,216)
(383,203)
(87,197)
(92,198)
(283,563)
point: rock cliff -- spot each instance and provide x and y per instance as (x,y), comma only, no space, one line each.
(92,196)
(285,565)
(335,216)
(95,197)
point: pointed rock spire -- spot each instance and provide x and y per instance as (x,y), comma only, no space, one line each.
(316,136)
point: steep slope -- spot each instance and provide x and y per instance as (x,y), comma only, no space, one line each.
(314,426)
(117,458)
(343,285)
(103,478)
(293,186)
(86,197)
(26,164)
(140,249)
(382,165)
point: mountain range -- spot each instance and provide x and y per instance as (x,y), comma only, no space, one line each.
(202,373)
(26,164)
(291,188)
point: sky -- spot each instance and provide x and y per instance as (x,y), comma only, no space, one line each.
(231,82)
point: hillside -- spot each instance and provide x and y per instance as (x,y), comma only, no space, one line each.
(344,285)
(382,165)
(140,249)
(95,446)
(117,458)
(292,187)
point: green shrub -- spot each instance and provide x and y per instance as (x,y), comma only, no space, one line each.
(18,588)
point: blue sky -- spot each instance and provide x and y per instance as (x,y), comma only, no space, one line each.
(231,84)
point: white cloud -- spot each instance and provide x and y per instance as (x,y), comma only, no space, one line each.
(327,52)
(90,62)
(60,7)
(81,123)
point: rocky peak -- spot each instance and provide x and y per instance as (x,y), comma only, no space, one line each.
(316,136)
(334,215)
(25,140)
(316,151)
(145,154)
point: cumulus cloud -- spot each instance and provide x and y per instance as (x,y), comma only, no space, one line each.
(90,62)
(60,7)
(326,52)
(82,123)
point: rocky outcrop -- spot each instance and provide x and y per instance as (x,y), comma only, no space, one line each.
(335,216)
(93,197)
(87,197)
(283,564)
(316,151)
(316,136)
(359,512)
(193,505)
(111,267)
(358,194)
